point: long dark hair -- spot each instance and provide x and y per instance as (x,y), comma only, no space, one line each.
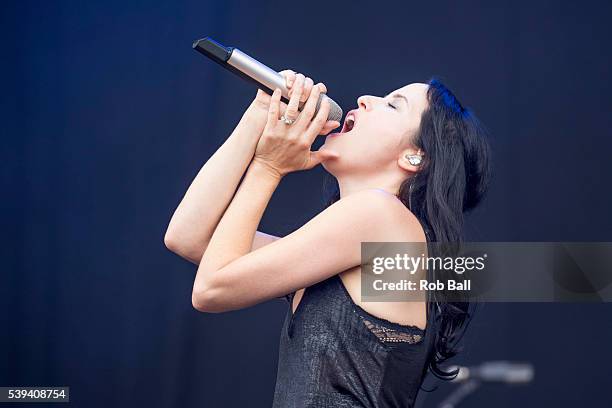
(452,180)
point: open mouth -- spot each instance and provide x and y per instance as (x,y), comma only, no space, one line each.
(349,122)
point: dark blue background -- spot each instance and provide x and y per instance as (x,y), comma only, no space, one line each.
(108,114)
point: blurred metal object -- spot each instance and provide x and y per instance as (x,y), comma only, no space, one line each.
(471,378)
(497,371)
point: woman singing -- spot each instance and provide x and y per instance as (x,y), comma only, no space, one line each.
(408,166)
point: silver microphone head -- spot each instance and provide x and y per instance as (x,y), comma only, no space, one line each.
(335,111)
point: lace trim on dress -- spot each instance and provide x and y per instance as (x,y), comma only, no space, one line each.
(388,335)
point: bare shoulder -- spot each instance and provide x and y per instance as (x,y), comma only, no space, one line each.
(393,222)
(385,214)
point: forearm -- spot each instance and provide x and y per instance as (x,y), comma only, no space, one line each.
(209,194)
(235,231)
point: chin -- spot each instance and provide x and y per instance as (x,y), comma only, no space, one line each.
(338,167)
(332,166)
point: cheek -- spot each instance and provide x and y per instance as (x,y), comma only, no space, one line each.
(379,141)
(362,150)
(411,129)
(385,140)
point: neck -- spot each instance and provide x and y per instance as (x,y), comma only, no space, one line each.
(350,184)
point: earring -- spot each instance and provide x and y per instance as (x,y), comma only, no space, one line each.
(414,159)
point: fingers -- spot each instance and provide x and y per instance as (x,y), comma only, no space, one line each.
(302,89)
(316,126)
(261,94)
(320,156)
(329,126)
(274,109)
(308,84)
(289,77)
(296,95)
(309,107)
(261,100)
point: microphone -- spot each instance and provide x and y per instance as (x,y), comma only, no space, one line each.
(497,371)
(250,69)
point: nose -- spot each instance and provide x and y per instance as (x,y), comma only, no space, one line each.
(365,102)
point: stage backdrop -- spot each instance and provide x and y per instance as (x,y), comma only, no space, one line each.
(108,114)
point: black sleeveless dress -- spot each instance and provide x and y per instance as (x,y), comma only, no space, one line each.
(333,353)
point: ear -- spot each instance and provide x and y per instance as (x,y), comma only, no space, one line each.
(411,160)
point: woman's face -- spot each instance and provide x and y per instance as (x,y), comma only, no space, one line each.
(383,128)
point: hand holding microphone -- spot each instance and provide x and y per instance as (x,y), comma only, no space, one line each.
(285,143)
(297,110)
(260,105)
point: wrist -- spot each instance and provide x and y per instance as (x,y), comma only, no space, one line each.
(249,129)
(264,170)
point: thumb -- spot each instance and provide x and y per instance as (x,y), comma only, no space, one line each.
(320,156)
(261,95)
(329,126)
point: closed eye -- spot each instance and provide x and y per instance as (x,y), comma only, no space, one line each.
(392,106)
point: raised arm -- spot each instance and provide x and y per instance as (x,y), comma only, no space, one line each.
(209,194)
(230,277)
(328,244)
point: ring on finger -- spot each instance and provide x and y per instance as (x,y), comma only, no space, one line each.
(287,120)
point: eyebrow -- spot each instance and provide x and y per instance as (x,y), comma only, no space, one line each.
(399,96)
